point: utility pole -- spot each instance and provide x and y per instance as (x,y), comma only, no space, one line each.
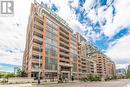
(39,65)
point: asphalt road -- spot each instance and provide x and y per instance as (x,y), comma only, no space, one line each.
(116,83)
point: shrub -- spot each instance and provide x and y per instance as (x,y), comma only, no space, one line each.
(94,78)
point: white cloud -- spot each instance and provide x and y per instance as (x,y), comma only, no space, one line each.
(12,33)
(75,3)
(12,37)
(12,58)
(88,4)
(13,29)
(120,52)
(76,26)
(64,9)
(121,18)
(92,15)
(118,66)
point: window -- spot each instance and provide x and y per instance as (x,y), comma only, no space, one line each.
(74,67)
(51,51)
(51,41)
(48,28)
(74,57)
(51,35)
(55,31)
(48,47)
(54,36)
(54,52)
(55,43)
(48,40)
(48,34)
(51,64)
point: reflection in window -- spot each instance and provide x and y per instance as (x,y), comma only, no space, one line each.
(51,51)
(51,63)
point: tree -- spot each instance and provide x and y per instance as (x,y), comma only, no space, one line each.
(8,75)
(20,73)
(1,75)
(128,73)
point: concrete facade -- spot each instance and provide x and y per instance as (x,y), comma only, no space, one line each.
(105,67)
(60,52)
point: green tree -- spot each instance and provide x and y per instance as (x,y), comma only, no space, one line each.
(20,73)
(8,75)
(128,73)
(1,75)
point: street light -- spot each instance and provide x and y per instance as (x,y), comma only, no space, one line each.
(39,65)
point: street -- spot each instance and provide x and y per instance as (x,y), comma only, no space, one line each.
(116,83)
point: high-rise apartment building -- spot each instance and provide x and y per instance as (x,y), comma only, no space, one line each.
(86,59)
(53,49)
(105,67)
(50,37)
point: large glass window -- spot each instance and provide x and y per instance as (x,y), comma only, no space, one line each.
(51,26)
(48,34)
(54,42)
(74,57)
(48,40)
(48,28)
(54,36)
(55,31)
(74,67)
(51,41)
(54,52)
(48,47)
(51,63)
(51,51)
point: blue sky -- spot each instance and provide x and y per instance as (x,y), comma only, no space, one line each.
(104,23)
(7,67)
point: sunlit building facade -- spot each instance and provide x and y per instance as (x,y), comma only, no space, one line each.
(54,50)
(86,60)
(105,66)
(49,37)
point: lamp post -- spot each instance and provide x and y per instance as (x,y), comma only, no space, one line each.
(39,65)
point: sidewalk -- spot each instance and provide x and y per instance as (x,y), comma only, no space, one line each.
(17,85)
(56,82)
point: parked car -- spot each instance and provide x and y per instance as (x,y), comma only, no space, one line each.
(3,80)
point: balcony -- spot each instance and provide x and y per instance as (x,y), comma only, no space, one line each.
(66,50)
(35,69)
(64,54)
(38,31)
(38,24)
(64,40)
(64,35)
(38,38)
(36,60)
(36,45)
(64,60)
(38,19)
(64,31)
(64,45)
(36,53)
(65,64)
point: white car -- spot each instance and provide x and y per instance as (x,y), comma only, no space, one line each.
(3,79)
